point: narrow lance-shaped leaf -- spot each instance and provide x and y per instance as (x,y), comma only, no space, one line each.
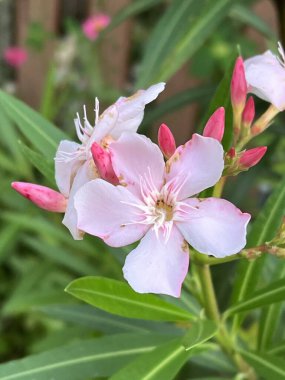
(199,332)
(118,298)
(263,229)
(268,367)
(162,363)
(207,18)
(268,295)
(83,360)
(39,131)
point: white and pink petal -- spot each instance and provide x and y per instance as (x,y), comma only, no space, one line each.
(195,166)
(158,265)
(109,212)
(212,226)
(137,162)
(67,162)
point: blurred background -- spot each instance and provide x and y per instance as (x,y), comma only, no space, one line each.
(58,55)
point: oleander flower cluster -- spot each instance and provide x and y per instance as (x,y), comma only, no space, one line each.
(120,186)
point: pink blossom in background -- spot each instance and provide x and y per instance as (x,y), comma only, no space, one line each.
(94,25)
(153,203)
(15,56)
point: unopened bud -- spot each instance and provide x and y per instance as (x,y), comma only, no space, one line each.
(215,126)
(238,85)
(103,162)
(252,157)
(42,196)
(231,153)
(248,112)
(166,141)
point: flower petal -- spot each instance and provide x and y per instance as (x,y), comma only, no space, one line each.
(105,125)
(66,165)
(213,226)
(131,109)
(156,266)
(266,77)
(195,166)
(85,173)
(135,157)
(109,212)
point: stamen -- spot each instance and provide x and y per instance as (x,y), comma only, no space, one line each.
(96,110)
(281,59)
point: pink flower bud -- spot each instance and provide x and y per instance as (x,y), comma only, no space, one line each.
(102,159)
(252,157)
(166,141)
(15,56)
(42,196)
(238,85)
(231,153)
(248,112)
(216,125)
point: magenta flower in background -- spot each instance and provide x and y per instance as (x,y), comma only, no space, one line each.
(93,25)
(153,203)
(15,56)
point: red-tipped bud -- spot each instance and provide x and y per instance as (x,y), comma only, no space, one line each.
(215,126)
(166,141)
(231,153)
(103,162)
(248,112)
(42,196)
(252,157)
(238,85)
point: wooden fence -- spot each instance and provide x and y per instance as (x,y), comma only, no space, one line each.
(17,15)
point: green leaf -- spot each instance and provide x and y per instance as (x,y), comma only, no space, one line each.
(263,229)
(45,166)
(175,102)
(268,295)
(208,16)
(171,27)
(163,363)
(270,317)
(86,359)
(117,297)
(244,14)
(198,333)
(267,366)
(131,10)
(99,320)
(39,131)
(222,98)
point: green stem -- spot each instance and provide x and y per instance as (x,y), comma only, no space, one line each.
(219,187)
(209,297)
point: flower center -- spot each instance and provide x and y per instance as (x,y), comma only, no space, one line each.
(163,211)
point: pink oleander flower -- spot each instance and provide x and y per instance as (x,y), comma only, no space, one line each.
(265,75)
(94,25)
(153,203)
(74,165)
(15,56)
